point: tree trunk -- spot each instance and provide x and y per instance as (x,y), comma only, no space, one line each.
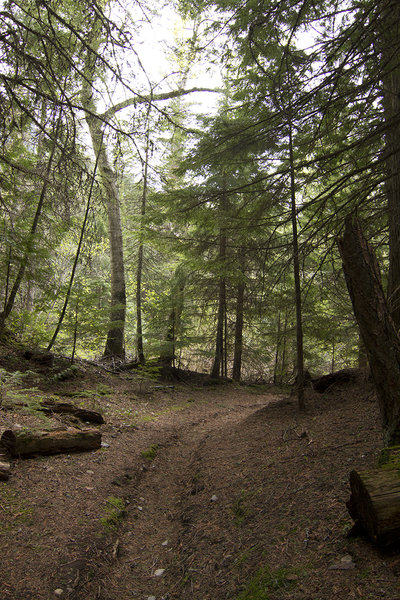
(32,234)
(217,368)
(297,284)
(390,68)
(139,272)
(220,341)
(167,355)
(26,443)
(74,267)
(115,337)
(278,344)
(377,329)
(237,355)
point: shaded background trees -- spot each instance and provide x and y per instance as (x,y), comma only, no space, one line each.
(213,228)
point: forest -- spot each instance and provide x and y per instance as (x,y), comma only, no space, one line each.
(142,219)
(199,194)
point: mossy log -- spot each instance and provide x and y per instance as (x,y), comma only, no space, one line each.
(375,499)
(27,443)
(84,414)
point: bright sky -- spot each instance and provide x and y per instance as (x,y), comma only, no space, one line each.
(158,36)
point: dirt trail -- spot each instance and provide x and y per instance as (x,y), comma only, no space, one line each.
(244,500)
(50,527)
(151,560)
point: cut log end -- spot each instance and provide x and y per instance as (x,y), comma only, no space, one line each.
(5,469)
(375,503)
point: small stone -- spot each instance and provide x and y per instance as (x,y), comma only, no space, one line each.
(58,592)
(105,445)
(346,563)
(151,598)
(140,507)
(165,543)
(89,472)
(214,498)
(159,572)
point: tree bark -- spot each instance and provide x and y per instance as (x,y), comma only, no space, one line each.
(375,499)
(297,284)
(167,355)
(237,355)
(26,443)
(377,328)
(139,271)
(217,368)
(66,408)
(115,336)
(390,67)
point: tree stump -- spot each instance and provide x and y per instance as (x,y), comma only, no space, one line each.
(27,443)
(375,499)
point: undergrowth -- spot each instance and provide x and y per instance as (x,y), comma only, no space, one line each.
(266,581)
(115,511)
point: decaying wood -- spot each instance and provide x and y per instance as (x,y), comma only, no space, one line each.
(65,408)
(375,503)
(26,442)
(321,384)
(5,468)
(377,329)
(40,357)
(84,414)
(174,374)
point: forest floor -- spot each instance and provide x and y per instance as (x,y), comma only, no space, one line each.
(226,492)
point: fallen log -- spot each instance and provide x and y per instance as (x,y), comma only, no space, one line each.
(27,443)
(321,384)
(40,357)
(375,499)
(84,414)
(5,468)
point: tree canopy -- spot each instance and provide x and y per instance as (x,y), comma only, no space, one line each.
(138,224)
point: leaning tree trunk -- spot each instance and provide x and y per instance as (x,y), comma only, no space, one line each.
(10,300)
(389,19)
(377,328)
(74,267)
